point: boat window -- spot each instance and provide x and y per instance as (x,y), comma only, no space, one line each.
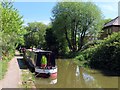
(35,58)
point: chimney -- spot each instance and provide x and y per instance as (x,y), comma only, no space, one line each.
(119,12)
(119,8)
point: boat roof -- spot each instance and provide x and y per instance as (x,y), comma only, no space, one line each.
(39,51)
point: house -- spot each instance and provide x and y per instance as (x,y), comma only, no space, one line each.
(110,27)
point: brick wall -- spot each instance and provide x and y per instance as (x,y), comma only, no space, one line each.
(116,29)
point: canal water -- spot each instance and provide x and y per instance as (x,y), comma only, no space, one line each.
(72,76)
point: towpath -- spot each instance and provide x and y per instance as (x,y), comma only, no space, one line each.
(12,78)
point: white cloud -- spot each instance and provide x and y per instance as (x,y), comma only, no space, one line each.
(26,21)
(46,22)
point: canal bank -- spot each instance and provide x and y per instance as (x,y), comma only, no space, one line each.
(27,79)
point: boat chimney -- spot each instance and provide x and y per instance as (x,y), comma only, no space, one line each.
(119,8)
(119,12)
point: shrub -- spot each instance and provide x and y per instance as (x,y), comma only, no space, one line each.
(104,55)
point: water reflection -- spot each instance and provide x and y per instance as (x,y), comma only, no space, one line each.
(86,79)
(44,81)
(72,76)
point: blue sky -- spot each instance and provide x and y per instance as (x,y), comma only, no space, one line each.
(35,11)
(42,11)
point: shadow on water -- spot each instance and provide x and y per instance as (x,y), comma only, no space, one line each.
(24,64)
(108,73)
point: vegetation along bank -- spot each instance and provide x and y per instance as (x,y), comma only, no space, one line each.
(103,55)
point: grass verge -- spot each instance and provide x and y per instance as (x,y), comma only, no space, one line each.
(4,66)
(28,79)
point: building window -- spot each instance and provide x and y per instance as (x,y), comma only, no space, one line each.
(110,31)
(107,31)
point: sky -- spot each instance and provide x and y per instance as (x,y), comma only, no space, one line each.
(42,11)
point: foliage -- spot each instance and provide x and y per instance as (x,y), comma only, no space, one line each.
(53,43)
(51,40)
(104,55)
(106,20)
(73,21)
(91,44)
(11,28)
(35,34)
(11,33)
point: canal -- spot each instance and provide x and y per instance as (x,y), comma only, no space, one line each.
(72,76)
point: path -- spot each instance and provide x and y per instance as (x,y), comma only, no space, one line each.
(12,78)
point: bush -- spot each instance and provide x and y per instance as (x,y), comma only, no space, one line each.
(104,55)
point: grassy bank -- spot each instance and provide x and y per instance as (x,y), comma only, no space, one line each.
(3,70)
(4,64)
(28,79)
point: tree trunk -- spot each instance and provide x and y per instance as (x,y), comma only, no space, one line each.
(81,40)
(75,40)
(73,36)
(68,41)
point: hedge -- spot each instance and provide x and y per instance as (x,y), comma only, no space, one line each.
(105,55)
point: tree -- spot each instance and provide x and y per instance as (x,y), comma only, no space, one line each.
(75,20)
(11,30)
(35,34)
(57,45)
(106,20)
(51,40)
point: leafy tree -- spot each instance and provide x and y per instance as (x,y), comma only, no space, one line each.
(11,30)
(51,40)
(102,33)
(75,20)
(35,34)
(57,45)
(106,20)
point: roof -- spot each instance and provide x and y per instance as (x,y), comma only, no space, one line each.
(39,51)
(113,22)
(42,51)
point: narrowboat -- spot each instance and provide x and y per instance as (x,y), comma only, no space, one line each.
(34,59)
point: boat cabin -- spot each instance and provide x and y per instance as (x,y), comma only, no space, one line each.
(35,57)
(50,58)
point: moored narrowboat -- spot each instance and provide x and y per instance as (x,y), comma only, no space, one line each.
(43,62)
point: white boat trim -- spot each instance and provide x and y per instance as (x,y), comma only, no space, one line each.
(39,70)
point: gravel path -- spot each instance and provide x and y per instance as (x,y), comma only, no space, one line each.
(12,78)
